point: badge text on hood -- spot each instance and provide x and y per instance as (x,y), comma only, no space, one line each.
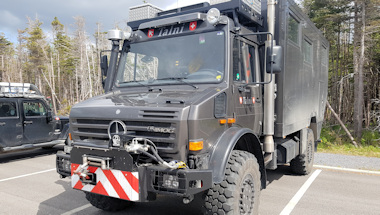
(161,130)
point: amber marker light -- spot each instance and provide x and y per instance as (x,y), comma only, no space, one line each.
(71,138)
(222,121)
(196,145)
(231,120)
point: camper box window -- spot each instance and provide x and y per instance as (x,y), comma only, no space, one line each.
(293,29)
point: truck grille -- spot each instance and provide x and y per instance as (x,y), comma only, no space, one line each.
(158,114)
(95,130)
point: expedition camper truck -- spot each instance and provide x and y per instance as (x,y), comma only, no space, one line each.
(201,99)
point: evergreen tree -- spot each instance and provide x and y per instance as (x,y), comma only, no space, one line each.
(35,44)
(6,50)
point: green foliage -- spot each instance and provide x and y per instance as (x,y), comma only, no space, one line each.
(335,140)
(370,138)
(5,44)
(66,108)
(64,47)
(333,135)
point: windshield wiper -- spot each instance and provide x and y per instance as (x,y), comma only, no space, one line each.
(138,82)
(180,79)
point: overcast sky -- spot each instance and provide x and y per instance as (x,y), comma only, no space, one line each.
(14,13)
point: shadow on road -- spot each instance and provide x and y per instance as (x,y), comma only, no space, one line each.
(275,175)
(29,153)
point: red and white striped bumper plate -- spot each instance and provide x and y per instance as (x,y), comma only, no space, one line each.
(114,183)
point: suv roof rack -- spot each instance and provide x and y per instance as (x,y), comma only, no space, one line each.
(8,89)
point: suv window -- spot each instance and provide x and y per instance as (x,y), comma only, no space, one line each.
(8,109)
(34,108)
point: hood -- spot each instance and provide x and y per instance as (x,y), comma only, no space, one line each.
(148,99)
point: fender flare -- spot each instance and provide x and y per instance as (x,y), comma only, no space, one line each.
(222,151)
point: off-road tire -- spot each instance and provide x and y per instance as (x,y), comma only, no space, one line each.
(303,163)
(107,203)
(238,193)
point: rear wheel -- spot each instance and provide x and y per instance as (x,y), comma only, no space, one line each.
(239,192)
(107,203)
(303,163)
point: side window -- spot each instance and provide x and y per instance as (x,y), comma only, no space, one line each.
(252,62)
(293,29)
(307,51)
(244,58)
(34,108)
(8,109)
(238,69)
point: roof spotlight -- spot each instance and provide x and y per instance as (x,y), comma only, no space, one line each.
(213,16)
(128,33)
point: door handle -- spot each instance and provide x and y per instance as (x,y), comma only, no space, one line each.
(2,123)
(28,122)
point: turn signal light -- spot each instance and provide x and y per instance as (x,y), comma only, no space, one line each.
(196,145)
(231,120)
(222,121)
(70,137)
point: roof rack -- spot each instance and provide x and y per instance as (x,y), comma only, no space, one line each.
(248,12)
(8,89)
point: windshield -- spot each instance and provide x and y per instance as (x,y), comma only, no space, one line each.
(186,60)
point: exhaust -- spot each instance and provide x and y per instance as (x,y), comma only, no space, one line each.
(269,93)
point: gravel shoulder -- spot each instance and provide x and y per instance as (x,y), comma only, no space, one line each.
(347,161)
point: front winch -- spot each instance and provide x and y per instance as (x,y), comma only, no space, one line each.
(102,162)
(148,145)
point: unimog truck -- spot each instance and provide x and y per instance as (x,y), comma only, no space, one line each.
(201,99)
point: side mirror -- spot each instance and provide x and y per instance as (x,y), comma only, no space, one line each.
(104,65)
(274,60)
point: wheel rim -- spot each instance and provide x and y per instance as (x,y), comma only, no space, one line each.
(246,195)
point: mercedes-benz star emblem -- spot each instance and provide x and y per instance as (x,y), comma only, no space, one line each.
(115,129)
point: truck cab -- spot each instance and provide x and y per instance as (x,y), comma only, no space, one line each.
(196,100)
(26,119)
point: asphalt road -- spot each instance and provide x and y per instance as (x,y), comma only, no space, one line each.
(30,185)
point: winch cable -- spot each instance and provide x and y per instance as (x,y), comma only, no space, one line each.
(157,157)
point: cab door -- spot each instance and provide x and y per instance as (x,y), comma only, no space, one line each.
(37,127)
(10,123)
(248,94)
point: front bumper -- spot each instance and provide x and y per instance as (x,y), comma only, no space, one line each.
(126,181)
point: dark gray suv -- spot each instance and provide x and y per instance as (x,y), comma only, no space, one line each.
(26,119)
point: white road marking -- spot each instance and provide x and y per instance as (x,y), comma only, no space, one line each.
(26,175)
(296,198)
(76,210)
(348,169)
